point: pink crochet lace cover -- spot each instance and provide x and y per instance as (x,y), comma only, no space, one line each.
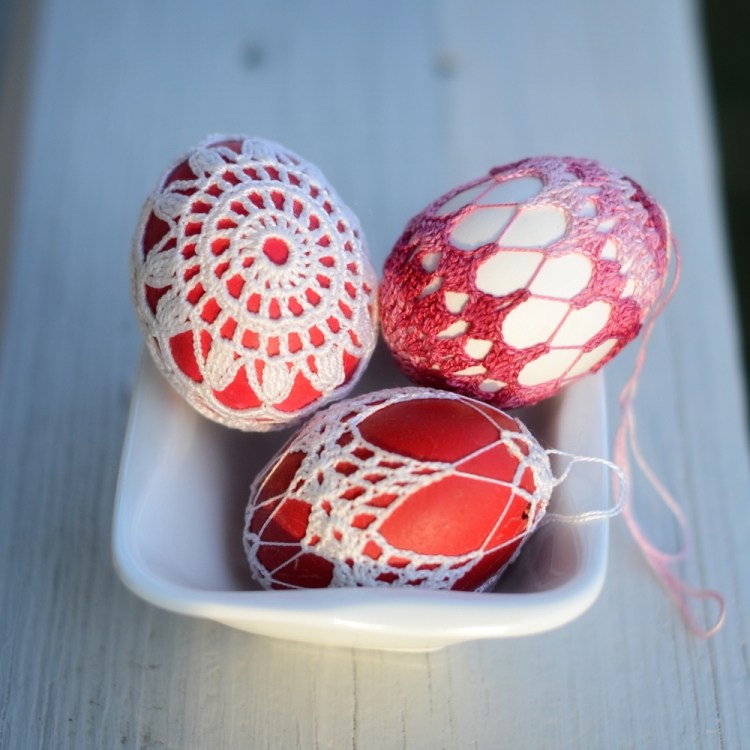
(512,286)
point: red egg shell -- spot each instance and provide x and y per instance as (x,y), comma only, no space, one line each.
(252,285)
(510,287)
(402,487)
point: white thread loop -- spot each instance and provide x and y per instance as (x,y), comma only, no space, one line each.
(590,515)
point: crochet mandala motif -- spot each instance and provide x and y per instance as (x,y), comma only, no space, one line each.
(252,284)
(512,286)
(407,486)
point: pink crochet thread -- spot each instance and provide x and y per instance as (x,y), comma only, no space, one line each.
(625,442)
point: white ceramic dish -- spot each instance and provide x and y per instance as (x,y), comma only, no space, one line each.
(178,521)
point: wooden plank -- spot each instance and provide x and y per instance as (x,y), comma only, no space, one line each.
(396,103)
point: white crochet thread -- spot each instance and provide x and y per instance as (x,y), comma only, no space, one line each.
(590,516)
(252,285)
(343,477)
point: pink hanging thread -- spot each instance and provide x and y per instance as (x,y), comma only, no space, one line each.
(660,562)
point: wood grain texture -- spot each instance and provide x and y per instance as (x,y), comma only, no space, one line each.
(396,102)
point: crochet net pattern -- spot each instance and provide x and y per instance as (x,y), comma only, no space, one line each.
(252,285)
(514,285)
(407,486)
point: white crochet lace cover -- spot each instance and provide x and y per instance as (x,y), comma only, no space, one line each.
(252,285)
(316,514)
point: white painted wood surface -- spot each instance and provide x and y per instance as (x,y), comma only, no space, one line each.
(396,102)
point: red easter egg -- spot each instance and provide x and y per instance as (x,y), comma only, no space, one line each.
(408,486)
(512,286)
(252,284)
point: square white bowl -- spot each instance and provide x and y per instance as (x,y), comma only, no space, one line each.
(178,520)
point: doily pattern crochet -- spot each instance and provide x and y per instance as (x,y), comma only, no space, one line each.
(252,284)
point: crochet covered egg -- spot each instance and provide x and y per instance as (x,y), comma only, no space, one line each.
(252,285)
(512,286)
(409,486)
